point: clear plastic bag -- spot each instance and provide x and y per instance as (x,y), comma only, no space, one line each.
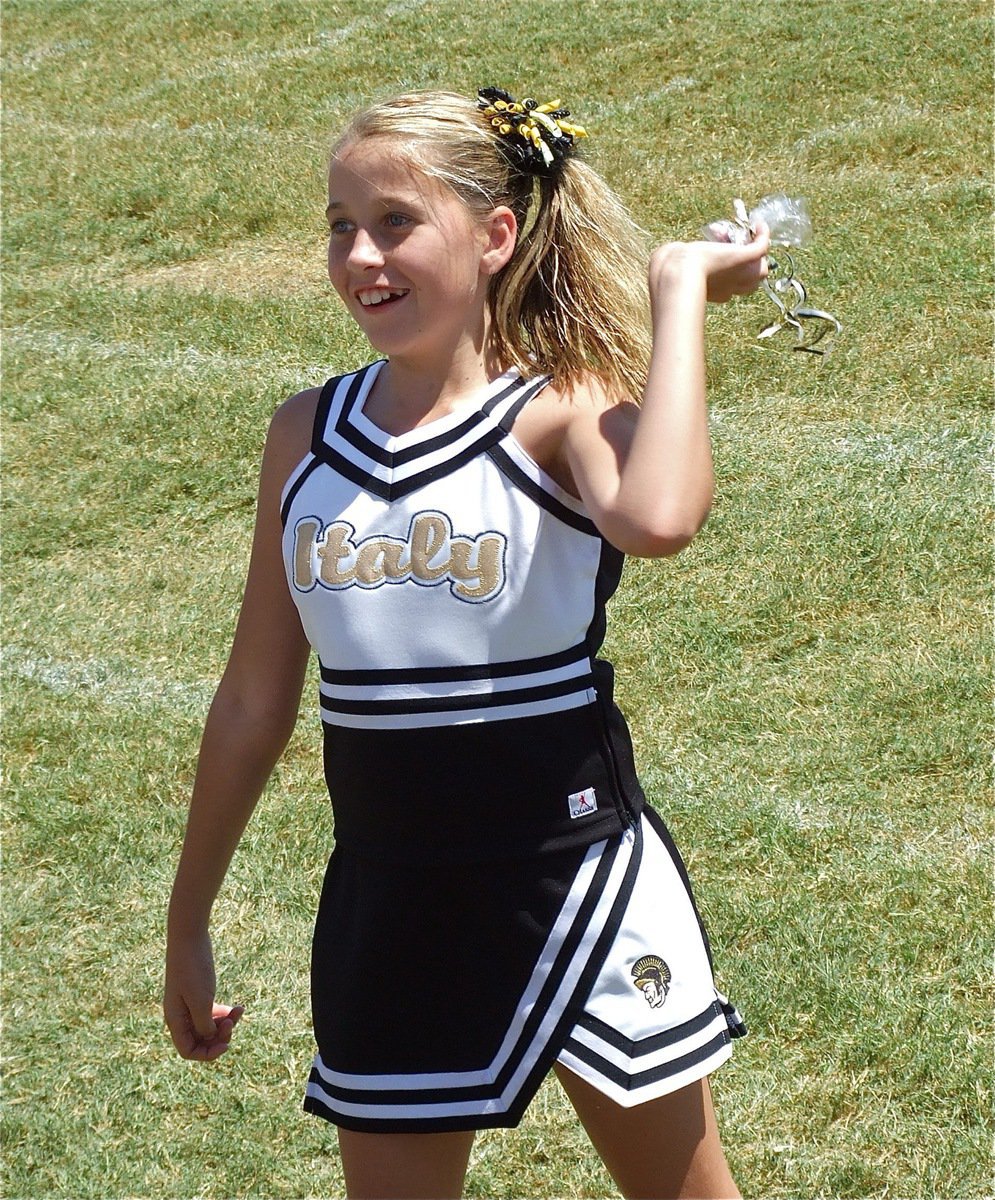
(785,216)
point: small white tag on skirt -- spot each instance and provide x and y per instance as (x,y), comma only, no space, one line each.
(582,803)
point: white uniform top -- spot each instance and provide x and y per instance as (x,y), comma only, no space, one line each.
(441,575)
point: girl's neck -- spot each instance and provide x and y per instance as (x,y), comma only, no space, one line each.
(407,395)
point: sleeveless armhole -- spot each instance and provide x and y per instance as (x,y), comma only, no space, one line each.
(521,470)
(310,460)
(525,473)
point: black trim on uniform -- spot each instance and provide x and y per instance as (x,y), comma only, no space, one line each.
(368,480)
(317,441)
(499,670)
(592,969)
(398,458)
(470,700)
(325,404)
(534,387)
(561,965)
(656,1041)
(349,433)
(357,475)
(393,459)
(538,493)
(663,832)
(631,1083)
(298,484)
(609,576)
(404,487)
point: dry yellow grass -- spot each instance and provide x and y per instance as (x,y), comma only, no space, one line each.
(246,269)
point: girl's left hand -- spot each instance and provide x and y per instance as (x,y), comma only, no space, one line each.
(728,270)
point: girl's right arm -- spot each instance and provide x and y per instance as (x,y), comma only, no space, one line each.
(249,724)
(645,475)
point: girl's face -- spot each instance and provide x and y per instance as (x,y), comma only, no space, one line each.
(411,263)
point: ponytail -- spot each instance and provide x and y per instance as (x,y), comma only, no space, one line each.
(573,298)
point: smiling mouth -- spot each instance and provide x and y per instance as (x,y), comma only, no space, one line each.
(378,297)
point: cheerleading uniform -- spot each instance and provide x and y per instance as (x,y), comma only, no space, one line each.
(498,897)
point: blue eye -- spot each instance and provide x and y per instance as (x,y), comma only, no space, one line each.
(339,226)
(397,220)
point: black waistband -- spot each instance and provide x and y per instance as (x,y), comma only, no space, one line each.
(484,790)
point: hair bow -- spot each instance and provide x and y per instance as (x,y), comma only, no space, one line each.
(535,136)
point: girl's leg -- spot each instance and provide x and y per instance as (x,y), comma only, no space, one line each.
(664,1148)
(397,1166)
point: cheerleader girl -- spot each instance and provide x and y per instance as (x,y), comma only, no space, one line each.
(444,528)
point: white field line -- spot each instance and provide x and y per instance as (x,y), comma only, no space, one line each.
(943,450)
(118,686)
(142,127)
(31,60)
(605,108)
(326,40)
(186,359)
(810,814)
(216,130)
(880,116)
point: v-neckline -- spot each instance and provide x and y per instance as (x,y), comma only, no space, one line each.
(437,427)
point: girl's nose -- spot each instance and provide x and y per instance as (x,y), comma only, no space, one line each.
(364,251)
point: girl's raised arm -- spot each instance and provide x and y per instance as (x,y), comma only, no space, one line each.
(645,474)
(250,721)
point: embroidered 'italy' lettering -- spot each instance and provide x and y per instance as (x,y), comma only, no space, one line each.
(431,554)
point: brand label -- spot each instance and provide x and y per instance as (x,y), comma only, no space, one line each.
(582,804)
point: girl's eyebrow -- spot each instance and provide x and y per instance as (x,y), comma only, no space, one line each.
(386,202)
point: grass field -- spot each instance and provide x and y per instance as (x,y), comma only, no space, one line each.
(807,684)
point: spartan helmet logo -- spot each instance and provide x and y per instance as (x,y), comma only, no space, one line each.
(652,976)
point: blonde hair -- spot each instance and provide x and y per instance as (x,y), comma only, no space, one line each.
(572,300)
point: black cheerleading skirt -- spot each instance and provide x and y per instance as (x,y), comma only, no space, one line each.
(443,991)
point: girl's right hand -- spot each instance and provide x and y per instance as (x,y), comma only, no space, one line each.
(200,1028)
(727,269)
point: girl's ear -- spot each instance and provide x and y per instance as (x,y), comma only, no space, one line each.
(501,236)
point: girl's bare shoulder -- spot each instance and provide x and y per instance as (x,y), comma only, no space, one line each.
(290,430)
(296,414)
(560,418)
